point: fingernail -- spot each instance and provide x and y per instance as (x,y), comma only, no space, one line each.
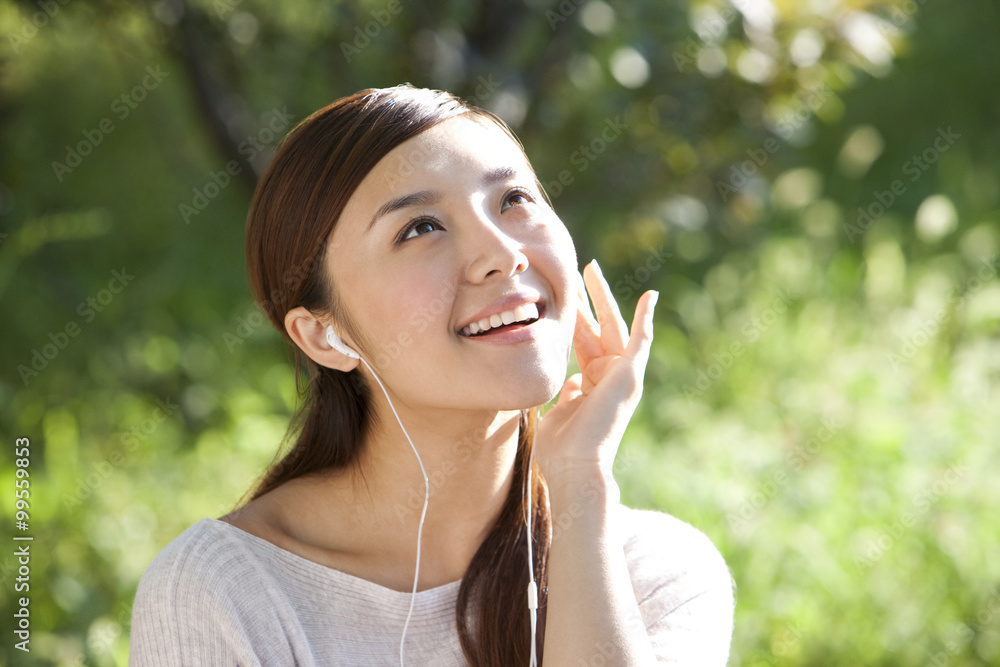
(652,302)
(597,267)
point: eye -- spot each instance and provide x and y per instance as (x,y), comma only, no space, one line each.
(418,227)
(516,197)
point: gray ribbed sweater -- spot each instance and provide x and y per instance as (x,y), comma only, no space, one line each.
(219,596)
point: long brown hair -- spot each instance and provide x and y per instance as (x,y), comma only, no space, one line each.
(295,207)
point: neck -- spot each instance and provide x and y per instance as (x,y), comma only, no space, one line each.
(468,458)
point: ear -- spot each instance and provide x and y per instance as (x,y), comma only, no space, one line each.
(309,334)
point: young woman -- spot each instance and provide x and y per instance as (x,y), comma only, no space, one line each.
(402,243)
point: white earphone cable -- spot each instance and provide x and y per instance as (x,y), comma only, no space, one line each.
(423,513)
(532,587)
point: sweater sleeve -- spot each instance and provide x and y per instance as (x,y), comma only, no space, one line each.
(202,602)
(683,588)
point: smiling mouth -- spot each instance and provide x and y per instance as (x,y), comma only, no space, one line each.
(521,316)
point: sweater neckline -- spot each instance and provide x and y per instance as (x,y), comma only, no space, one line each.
(438,592)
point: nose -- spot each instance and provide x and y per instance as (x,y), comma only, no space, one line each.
(492,250)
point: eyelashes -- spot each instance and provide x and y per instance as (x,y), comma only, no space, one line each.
(516,192)
(415,224)
(425,224)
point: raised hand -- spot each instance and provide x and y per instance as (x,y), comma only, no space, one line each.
(580,435)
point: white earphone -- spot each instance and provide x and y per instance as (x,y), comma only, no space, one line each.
(338,344)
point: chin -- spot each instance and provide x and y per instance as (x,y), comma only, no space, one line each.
(541,387)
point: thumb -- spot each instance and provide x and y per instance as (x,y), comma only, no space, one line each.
(641,335)
(571,389)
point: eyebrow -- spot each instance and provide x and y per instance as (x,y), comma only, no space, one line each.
(428,197)
(422,198)
(494,176)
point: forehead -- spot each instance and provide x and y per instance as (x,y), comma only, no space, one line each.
(456,147)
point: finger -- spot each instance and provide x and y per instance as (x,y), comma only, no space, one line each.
(613,332)
(586,339)
(642,329)
(570,389)
(585,308)
(595,371)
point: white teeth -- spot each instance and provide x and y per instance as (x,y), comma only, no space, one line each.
(519,314)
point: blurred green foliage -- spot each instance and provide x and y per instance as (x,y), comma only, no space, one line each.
(813,187)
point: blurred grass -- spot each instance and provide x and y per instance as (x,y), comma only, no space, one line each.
(849,492)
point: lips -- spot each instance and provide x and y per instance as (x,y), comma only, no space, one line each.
(504,314)
(520,315)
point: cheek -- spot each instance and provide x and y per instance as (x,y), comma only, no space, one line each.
(405,310)
(558,236)
(556,260)
(562,255)
(427,308)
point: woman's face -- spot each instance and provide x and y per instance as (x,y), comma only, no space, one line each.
(444,241)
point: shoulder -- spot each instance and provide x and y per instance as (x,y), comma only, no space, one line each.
(197,600)
(200,554)
(682,585)
(663,547)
